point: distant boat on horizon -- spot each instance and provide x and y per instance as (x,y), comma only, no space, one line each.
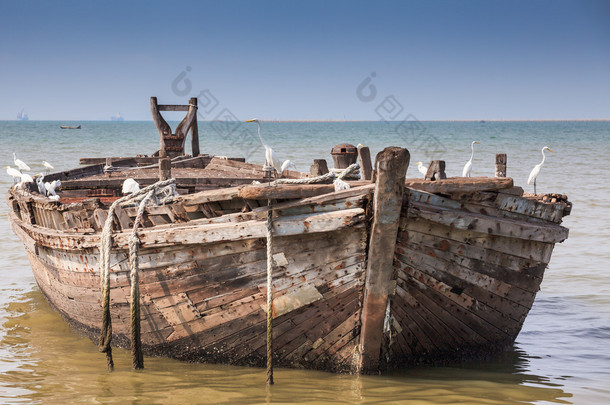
(22,115)
(117,117)
(70,126)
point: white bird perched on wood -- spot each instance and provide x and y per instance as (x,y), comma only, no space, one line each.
(422,169)
(51,187)
(26,178)
(47,165)
(40,183)
(13,172)
(288,165)
(270,158)
(19,163)
(130,186)
(468,165)
(536,170)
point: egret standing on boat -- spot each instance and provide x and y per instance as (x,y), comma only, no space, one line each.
(51,187)
(536,170)
(47,165)
(288,165)
(25,178)
(19,163)
(16,174)
(422,169)
(270,158)
(468,165)
(40,184)
(130,186)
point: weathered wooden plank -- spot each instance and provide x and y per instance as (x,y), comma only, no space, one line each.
(505,298)
(523,275)
(364,155)
(390,167)
(494,310)
(210,233)
(284,191)
(530,250)
(489,225)
(461,184)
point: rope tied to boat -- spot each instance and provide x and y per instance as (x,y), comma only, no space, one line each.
(104,270)
(269,294)
(352,171)
(136,342)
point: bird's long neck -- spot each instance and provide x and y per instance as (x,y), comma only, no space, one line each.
(543,157)
(472,150)
(259,133)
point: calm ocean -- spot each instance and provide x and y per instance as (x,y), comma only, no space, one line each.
(561,355)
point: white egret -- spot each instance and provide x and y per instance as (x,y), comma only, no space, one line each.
(19,163)
(26,178)
(468,165)
(13,172)
(47,165)
(536,170)
(422,169)
(40,184)
(270,158)
(51,187)
(288,165)
(130,186)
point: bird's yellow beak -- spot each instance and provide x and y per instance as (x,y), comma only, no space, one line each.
(5,167)
(251,120)
(550,150)
(478,142)
(418,163)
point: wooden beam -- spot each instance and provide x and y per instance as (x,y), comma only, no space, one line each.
(165,169)
(460,184)
(364,155)
(391,168)
(319,167)
(436,170)
(194,130)
(500,164)
(172,107)
(284,191)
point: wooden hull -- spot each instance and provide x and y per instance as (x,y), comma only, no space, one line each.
(467,265)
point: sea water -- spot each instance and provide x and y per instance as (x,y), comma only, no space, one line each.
(560,356)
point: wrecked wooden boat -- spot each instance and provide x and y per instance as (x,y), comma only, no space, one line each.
(390,272)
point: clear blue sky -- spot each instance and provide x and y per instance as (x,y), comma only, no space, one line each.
(304,60)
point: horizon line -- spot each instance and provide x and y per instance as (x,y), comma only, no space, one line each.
(481,120)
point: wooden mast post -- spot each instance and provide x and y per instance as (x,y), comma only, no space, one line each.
(172,144)
(390,168)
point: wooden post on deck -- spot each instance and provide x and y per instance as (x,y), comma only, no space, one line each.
(436,170)
(319,167)
(500,164)
(364,155)
(390,168)
(194,130)
(165,168)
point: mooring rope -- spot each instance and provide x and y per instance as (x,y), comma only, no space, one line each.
(269,294)
(136,342)
(351,171)
(105,247)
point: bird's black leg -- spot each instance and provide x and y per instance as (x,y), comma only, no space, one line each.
(534,186)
